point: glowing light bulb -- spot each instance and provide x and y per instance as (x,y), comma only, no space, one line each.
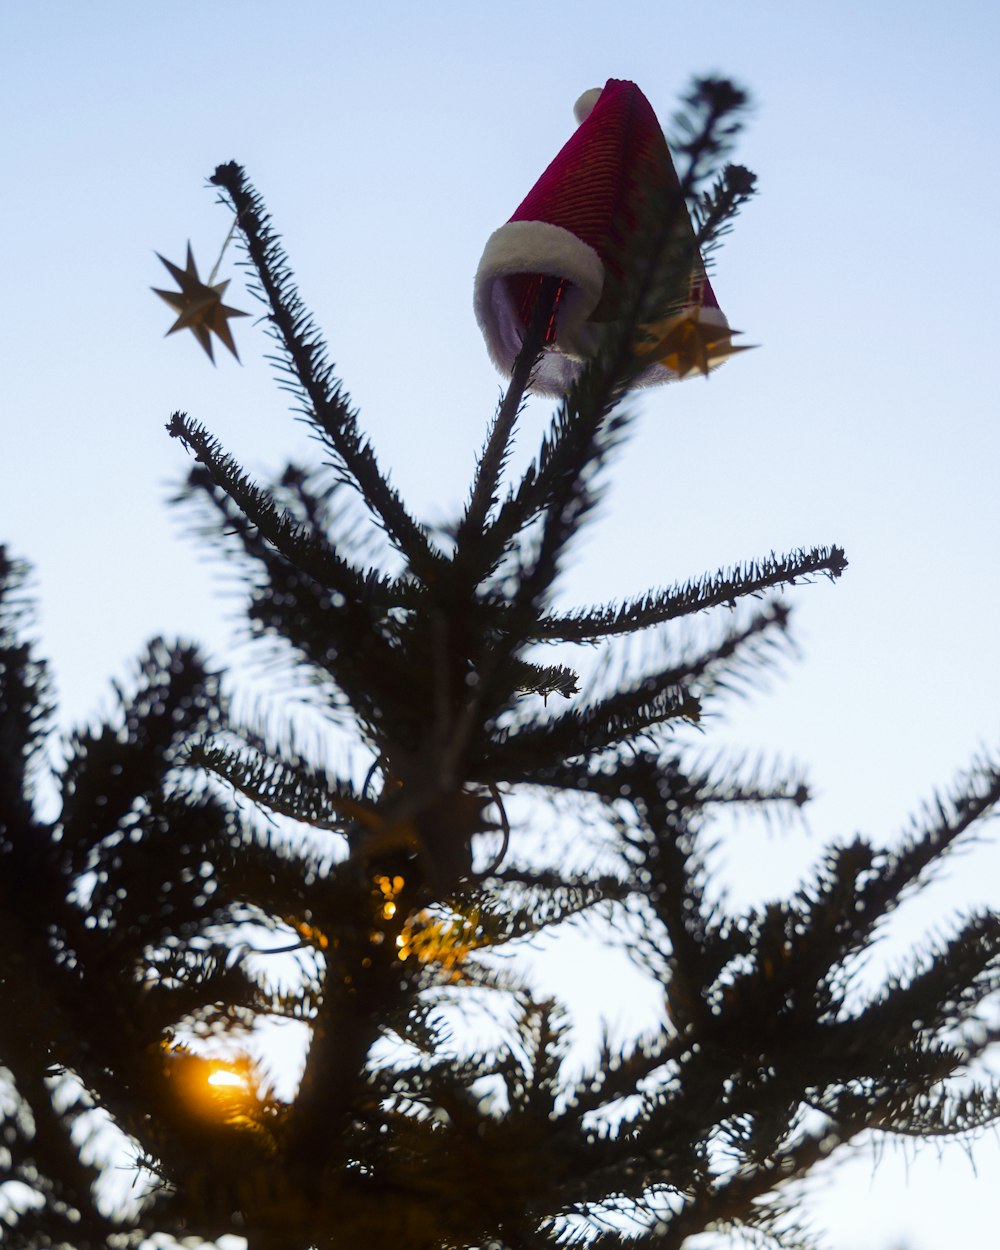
(223,1077)
(214,1089)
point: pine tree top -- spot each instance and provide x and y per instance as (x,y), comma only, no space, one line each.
(128,923)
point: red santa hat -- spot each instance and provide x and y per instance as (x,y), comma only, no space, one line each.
(574,225)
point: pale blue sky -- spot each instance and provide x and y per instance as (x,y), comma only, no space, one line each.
(389,140)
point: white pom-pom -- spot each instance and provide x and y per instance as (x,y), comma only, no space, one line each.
(582,108)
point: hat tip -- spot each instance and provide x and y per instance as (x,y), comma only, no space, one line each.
(584,106)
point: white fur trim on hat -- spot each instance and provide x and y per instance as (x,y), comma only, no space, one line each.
(712,317)
(526,247)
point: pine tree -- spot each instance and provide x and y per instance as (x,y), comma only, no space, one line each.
(124,911)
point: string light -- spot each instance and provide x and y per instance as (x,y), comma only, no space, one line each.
(225,1077)
(213,1089)
(441,940)
(389,887)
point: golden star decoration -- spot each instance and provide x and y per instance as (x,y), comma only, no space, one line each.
(199,306)
(686,345)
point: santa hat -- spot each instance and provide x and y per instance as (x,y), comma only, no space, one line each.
(574,225)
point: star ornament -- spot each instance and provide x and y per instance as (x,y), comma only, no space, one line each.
(686,345)
(199,306)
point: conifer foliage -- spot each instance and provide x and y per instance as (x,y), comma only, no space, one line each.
(124,910)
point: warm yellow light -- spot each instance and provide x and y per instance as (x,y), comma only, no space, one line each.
(312,935)
(222,1076)
(214,1089)
(441,940)
(389,888)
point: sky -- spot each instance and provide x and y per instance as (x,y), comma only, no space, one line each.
(389,140)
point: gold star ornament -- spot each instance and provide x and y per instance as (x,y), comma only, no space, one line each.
(686,344)
(199,306)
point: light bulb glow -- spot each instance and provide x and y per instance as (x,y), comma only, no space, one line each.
(387,891)
(223,1077)
(214,1089)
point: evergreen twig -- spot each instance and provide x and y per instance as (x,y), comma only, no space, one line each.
(311,376)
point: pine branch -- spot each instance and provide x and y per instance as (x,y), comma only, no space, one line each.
(25,698)
(707,126)
(946,994)
(545,679)
(714,209)
(180,982)
(267,879)
(560,488)
(618,1073)
(588,428)
(668,856)
(614,777)
(734,1200)
(525,754)
(943,825)
(621,717)
(342,639)
(163,885)
(288,788)
(469,545)
(513,904)
(720,589)
(309,552)
(357,670)
(946,1114)
(326,404)
(112,769)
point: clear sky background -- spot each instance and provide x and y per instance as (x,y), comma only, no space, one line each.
(389,140)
